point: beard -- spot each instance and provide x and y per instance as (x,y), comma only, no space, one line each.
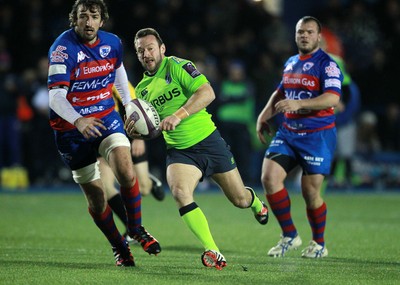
(85,36)
(153,67)
(307,48)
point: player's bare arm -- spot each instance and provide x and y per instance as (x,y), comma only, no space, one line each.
(267,113)
(199,100)
(326,100)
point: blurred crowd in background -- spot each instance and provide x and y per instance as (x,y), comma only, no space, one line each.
(241,47)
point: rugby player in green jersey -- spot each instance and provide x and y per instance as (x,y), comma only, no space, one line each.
(195,149)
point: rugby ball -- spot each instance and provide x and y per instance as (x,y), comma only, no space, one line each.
(146,118)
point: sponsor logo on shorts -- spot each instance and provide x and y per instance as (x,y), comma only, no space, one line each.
(314,160)
(276,142)
(114,125)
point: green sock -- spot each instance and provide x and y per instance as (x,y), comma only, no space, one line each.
(256,204)
(196,221)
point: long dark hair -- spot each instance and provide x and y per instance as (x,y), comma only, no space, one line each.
(90,5)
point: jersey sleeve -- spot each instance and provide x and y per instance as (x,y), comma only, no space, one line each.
(332,77)
(188,75)
(117,97)
(61,64)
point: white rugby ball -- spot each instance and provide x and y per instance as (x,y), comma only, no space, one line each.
(147,120)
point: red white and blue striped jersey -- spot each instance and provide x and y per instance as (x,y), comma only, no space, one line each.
(306,77)
(88,71)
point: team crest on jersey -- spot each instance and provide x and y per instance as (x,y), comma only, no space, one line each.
(191,69)
(307,66)
(332,70)
(104,51)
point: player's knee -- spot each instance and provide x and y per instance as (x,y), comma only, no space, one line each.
(95,197)
(110,190)
(267,181)
(97,203)
(181,196)
(145,187)
(127,177)
(86,174)
(111,142)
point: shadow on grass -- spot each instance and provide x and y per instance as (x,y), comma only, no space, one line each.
(358,261)
(184,249)
(171,270)
(193,249)
(70,265)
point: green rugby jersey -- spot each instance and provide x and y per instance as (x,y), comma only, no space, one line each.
(168,90)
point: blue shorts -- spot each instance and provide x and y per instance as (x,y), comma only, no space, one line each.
(78,152)
(313,151)
(212,155)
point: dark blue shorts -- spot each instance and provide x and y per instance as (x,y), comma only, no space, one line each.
(211,155)
(140,158)
(313,151)
(78,152)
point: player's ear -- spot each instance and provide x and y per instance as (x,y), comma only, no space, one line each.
(163,48)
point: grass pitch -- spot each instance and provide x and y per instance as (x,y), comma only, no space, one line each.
(49,238)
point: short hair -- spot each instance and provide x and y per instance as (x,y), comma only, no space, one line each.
(146,32)
(91,5)
(307,19)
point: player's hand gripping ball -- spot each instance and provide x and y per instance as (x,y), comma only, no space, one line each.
(142,120)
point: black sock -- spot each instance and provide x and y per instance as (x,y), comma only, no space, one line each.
(118,207)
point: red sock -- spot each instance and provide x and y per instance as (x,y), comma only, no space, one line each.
(133,202)
(280,206)
(105,222)
(317,220)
